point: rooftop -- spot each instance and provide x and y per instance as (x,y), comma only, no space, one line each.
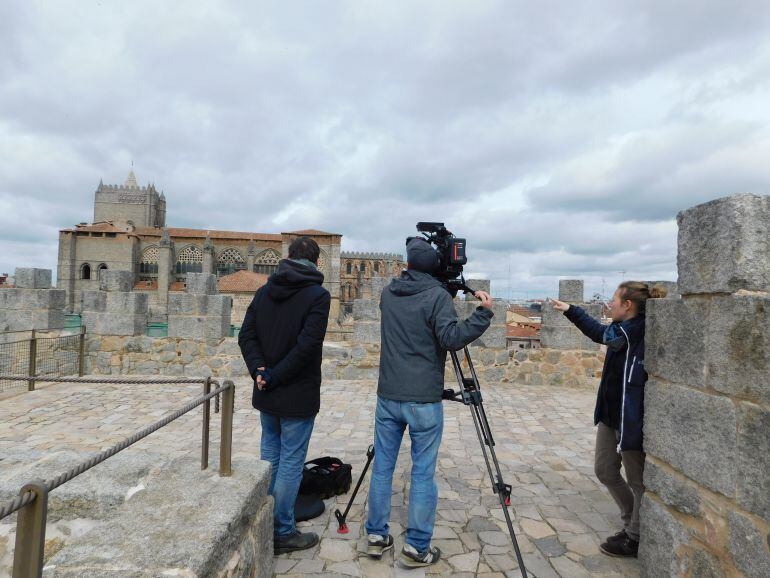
(242,282)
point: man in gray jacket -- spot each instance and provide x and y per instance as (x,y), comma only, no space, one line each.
(419,326)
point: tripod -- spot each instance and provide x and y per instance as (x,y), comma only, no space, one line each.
(470,395)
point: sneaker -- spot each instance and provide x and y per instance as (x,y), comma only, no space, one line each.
(411,558)
(626,548)
(295,542)
(619,537)
(377,545)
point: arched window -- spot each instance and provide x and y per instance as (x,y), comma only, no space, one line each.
(148,265)
(85,271)
(102,267)
(376,267)
(189,260)
(267,262)
(349,268)
(230,261)
(363,267)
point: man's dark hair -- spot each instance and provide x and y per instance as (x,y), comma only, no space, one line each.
(304,248)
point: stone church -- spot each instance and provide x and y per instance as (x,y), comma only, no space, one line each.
(129,233)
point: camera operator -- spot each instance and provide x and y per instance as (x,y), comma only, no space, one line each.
(419,325)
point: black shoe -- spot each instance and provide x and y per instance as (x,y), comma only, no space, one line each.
(626,548)
(377,545)
(619,537)
(411,558)
(295,542)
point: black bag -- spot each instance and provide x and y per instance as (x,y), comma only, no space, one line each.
(308,507)
(326,477)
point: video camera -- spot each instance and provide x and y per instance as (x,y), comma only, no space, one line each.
(451,252)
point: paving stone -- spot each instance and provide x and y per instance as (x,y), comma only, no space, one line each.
(550,546)
(345,568)
(465,562)
(337,550)
(535,529)
(534,448)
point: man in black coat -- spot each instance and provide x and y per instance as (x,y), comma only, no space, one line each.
(282,341)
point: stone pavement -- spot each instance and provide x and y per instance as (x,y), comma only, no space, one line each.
(544,443)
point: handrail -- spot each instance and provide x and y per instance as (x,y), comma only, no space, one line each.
(33,497)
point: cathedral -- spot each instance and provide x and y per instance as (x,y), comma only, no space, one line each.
(129,233)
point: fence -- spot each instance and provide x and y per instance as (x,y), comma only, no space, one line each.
(40,355)
(32,501)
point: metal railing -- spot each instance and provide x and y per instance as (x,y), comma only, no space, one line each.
(42,355)
(32,501)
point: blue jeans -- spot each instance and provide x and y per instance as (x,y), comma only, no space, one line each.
(426,424)
(284,445)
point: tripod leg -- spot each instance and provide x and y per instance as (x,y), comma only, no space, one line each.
(484,434)
(341,518)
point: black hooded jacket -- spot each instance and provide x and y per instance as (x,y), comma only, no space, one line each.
(284,330)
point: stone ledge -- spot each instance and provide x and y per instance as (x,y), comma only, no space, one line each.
(186,522)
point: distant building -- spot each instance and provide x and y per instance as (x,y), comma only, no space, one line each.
(129,233)
(358,268)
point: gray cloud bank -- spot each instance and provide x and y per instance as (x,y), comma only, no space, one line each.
(560,138)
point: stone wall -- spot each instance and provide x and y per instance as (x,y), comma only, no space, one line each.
(558,332)
(706,511)
(140,517)
(115,309)
(525,367)
(143,355)
(31,303)
(199,313)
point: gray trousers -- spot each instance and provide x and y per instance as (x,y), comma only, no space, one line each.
(627,492)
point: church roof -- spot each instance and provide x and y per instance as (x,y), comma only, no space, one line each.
(241,282)
(310,232)
(203,233)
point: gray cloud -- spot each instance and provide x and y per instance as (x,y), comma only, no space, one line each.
(561,139)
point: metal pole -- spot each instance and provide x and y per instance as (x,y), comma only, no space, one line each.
(82,350)
(30,533)
(32,361)
(226,439)
(205,428)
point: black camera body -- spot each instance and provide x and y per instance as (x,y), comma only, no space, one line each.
(451,252)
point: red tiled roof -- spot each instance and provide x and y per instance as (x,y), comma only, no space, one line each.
(522,331)
(520,310)
(313,232)
(146,285)
(242,282)
(203,233)
(109,227)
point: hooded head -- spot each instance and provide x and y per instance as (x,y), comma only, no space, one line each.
(420,256)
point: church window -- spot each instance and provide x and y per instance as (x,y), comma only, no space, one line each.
(148,266)
(230,261)
(85,271)
(189,260)
(101,268)
(267,262)
(349,267)
(376,267)
(363,267)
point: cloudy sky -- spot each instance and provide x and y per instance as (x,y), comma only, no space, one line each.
(560,138)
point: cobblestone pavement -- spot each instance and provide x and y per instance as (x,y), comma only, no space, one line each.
(544,444)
